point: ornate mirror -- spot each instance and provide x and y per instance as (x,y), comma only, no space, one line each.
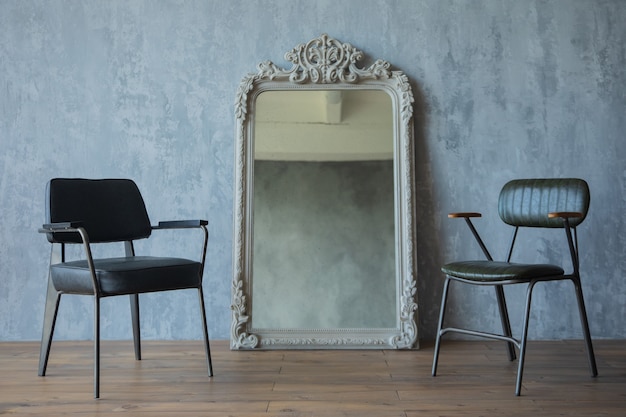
(324,229)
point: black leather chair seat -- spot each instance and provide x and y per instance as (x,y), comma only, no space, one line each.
(127,275)
(488,271)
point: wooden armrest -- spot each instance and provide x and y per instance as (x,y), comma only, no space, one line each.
(467,215)
(565,214)
(180,224)
(464,215)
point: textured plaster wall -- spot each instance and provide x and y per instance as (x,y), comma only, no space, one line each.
(145,89)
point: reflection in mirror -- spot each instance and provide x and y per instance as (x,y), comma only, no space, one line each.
(324,229)
(323,210)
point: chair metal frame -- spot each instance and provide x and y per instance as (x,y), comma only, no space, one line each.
(53,296)
(513,342)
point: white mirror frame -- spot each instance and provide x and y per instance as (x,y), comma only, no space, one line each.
(325,63)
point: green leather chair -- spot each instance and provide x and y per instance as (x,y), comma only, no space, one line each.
(527,203)
(89,212)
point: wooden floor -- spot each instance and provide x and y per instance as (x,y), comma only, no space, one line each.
(474,379)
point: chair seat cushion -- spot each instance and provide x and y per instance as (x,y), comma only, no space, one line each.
(127,275)
(490,271)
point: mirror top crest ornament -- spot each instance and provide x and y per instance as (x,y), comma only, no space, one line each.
(324,60)
(325,63)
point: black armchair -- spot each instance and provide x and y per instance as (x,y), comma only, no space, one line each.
(88,212)
(537,203)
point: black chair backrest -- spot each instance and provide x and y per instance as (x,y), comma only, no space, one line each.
(527,202)
(111,210)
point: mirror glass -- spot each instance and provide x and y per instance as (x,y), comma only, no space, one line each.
(323,210)
(324,230)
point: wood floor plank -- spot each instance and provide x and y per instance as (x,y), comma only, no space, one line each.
(474,379)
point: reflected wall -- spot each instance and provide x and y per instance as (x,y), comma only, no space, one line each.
(324,245)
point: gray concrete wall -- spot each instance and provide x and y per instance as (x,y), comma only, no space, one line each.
(145,89)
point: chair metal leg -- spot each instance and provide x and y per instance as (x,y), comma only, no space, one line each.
(522,350)
(53,298)
(585,326)
(96,353)
(442,313)
(134,313)
(506,323)
(205,331)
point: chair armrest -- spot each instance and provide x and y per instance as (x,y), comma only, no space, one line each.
(463,215)
(188,224)
(180,224)
(60,227)
(467,215)
(573,245)
(565,214)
